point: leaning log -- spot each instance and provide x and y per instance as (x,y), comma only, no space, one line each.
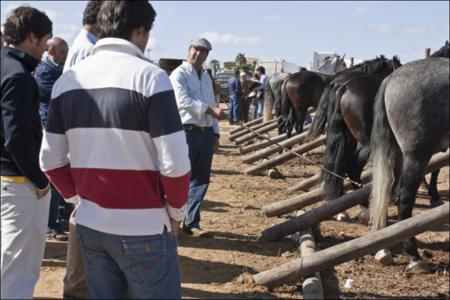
(306,184)
(297,139)
(249,123)
(355,248)
(303,200)
(246,131)
(286,156)
(262,144)
(268,127)
(331,208)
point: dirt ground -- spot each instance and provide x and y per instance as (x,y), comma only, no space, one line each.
(211,267)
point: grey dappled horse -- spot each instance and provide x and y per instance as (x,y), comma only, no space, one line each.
(411,123)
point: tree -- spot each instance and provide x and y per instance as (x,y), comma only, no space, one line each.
(241,59)
(215,65)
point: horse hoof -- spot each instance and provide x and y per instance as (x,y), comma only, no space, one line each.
(419,267)
(385,257)
(342,217)
(364,216)
(435,203)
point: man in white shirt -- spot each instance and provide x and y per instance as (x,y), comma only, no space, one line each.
(86,39)
(74,280)
(199,115)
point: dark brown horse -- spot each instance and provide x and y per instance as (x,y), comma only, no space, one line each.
(349,112)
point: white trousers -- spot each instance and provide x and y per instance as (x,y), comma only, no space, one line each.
(23,232)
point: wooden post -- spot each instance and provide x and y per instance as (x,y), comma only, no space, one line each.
(268,127)
(306,184)
(303,200)
(297,139)
(355,248)
(352,62)
(249,123)
(247,131)
(427,52)
(331,208)
(286,156)
(312,284)
(262,144)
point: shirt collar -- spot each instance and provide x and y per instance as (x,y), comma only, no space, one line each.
(190,67)
(29,61)
(92,38)
(120,45)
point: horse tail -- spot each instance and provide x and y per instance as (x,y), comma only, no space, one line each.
(286,112)
(339,148)
(320,119)
(384,151)
(268,100)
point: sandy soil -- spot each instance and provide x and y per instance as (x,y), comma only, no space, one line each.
(211,267)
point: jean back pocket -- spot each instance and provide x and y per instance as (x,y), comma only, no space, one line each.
(146,258)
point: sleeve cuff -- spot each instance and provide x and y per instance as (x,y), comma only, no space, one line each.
(176,214)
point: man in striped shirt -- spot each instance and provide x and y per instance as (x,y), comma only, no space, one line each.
(128,162)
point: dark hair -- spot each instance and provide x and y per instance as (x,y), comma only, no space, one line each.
(261,69)
(91,11)
(25,20)
(119,18)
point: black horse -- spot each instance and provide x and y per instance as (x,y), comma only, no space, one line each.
(348,107)
(411,123)
(305,89)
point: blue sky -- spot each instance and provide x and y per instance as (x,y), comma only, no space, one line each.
(290,30)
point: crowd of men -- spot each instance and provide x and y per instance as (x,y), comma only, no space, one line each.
(246,96)
(97,125)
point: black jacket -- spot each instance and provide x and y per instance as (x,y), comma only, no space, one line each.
(21,130)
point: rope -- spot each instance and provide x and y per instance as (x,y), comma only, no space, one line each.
(302,157)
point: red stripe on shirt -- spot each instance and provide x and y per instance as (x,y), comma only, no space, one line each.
(176,189)
(62,179)
(124,189)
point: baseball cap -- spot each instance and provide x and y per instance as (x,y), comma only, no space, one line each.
(242,74)
(201,43)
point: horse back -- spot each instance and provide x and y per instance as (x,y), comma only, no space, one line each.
(417,105)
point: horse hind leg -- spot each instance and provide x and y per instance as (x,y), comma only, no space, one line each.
(433,191)
(413,170)
(356,167)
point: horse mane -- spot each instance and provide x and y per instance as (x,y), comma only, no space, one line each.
(369,66)
(444,51)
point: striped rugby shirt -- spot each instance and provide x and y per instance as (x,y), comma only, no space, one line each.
(114,138)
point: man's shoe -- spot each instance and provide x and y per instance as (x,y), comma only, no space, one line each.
(57,235)
(198,232)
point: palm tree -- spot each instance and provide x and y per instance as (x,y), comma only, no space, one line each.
(240,59)
(215,65)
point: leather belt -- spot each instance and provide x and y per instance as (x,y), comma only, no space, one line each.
(15,179)
(192,127)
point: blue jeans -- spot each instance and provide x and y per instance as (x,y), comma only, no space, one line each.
(235,108)
(136,267)
(200,145)
(257,108)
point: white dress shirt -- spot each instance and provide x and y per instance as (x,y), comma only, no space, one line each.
(194,95)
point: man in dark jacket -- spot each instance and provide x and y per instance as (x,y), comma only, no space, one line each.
(234,97)
(25,196)
(46,75)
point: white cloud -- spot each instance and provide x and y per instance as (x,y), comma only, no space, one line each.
(67,31)
(361,9)
(231,39)
(154,44)
(383,28)
(270,18)
(170,11)
(417,30)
